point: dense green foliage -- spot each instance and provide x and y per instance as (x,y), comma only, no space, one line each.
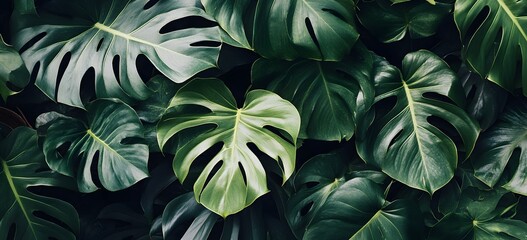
(258,119)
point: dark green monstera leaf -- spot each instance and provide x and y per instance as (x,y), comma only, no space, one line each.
(497,48)
(496,147)
(12,71)
(328,95)
(328,205)
(71,38)
(390,22)
(316,29)
(23,167)
(109,138)
(480,215)
(404,142)
(204,113)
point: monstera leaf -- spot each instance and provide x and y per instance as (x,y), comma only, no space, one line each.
(12,71)
(497,49)
(390,23)
(496,147)
(328,202)
(204,113)
(328,95)
(479,216)
(108,139)
(317,29)
(406,142)
(106,38)
(23,167)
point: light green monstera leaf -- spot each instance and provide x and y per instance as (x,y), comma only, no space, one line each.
(204,113)
(330,204)
(109,138)
(497,48)
(71,38)
(496,150)
(316,29)
(23,167)
(405,141)
(328,95)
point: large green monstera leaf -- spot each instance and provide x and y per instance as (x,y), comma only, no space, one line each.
(480,215)
(204,113)
(12,71)
(330,205)
(106,38)
(109,138)
(328,95)
(495,150)
(23,167)
(497,49)
(406,142)
(317,29)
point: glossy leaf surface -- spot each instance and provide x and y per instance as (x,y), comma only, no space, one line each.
(12,71)
(204,113)
(403,142)
(107,37)
(23,167)
(109,138)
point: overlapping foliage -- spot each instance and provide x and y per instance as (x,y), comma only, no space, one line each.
(306,119)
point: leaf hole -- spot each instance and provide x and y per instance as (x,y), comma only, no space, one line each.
(116,66)
(512,165)
(88,85)
(305,209)
(62,150)
(12,231)
(311,31)
(203,159)
(34,72)
(99,44)
(212,173)
(384,106)
(206,44)
(438,97)
(49,218)
(62,69)
(446,127)
(242,170)
(144,67)
(396,138)
(32,42)
(281,133)
(132,141)
(94,170)
(482,16)
(186,22)
(310,185)
(150,4)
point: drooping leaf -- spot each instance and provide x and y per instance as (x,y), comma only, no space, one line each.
(23,167)
(390,23)
(479,217)
(204,113)
(496,147)
(12,71)
(328,205)
(109,138)
(316,29)
(405,142)
(328,95)
(107,37)
(497,48)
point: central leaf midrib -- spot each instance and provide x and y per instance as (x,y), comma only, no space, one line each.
(513,18)
(104,144)
(410,100)
(9,178)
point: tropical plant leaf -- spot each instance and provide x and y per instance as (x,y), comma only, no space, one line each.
(23,167)
(208,109)
(124,222)
(497,49)
(316,29)
(479,217)
(390,22)
(110,138)
(151,109)
(328,95)
(25,7)
(107,37)
(12,71)
(327,201)
(496,147)
(404,142)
